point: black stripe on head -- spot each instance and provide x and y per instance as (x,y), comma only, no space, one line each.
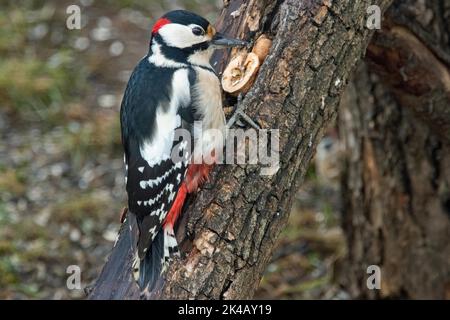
(177,54)
(184,18)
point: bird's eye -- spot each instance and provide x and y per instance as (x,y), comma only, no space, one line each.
(198,31)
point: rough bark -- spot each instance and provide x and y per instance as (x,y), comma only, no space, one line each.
(229,230)
(394,121)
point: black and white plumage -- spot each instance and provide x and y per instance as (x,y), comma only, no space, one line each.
(173,87)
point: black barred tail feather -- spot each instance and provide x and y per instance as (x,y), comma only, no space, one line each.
(170,246)
(149,271)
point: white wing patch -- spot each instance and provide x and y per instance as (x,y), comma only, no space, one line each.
(168,188)
(172,196)
(152,230)
(158,212)
(160,147)
(154,182)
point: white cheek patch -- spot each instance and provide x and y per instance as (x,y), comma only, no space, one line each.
(180,36)
(201,58)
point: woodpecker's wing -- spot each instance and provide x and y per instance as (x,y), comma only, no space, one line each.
(156,103)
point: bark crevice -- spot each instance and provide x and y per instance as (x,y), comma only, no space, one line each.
(397,169)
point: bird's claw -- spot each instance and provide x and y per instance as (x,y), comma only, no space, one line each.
(240,115)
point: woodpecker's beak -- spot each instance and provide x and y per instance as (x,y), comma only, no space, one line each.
(220,41)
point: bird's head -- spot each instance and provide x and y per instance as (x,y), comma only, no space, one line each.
(186,36)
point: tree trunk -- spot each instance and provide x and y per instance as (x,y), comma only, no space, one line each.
(230,228)
(395,123)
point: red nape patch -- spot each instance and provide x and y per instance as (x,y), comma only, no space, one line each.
(177,205)
(159,24)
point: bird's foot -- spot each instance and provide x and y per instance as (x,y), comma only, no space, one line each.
(239,115)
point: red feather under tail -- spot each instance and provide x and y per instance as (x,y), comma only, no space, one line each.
(196,175)
(177,205)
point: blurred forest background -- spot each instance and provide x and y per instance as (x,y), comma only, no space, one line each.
(61,169)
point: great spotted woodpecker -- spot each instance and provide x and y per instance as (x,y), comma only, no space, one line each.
(173,87)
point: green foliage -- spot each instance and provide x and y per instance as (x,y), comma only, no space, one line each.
(79,208)
(11,182)
(36,78)
(29,84)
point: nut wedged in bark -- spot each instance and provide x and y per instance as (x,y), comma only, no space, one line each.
(241,73)
(262,48)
